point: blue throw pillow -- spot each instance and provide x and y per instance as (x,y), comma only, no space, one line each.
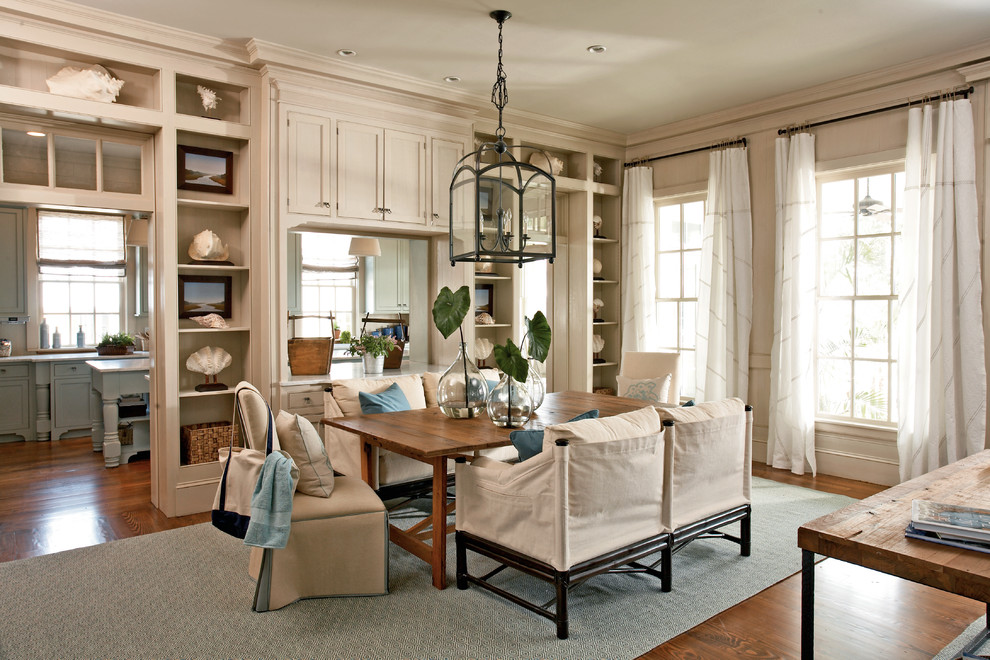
(688,403)
(530,443)
(390,400)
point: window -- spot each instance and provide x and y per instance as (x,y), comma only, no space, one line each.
(81,263)
(858,239)
(679,232)
(329,281)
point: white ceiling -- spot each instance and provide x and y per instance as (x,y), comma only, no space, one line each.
(666,60)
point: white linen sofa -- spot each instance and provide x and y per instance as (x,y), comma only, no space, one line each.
(341,399)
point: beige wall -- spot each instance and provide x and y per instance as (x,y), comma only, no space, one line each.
(867,455)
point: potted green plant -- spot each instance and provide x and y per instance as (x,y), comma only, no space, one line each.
(513,400)
(371,348)
(118,344)
(336,331)
(462,391)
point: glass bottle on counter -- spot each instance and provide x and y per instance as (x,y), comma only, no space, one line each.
(56,339)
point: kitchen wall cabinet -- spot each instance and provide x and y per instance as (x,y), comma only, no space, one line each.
(308,163)
(13,293)
(446,154)
(70,391)
(392,277)
(381,173)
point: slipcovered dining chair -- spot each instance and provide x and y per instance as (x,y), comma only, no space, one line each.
(338,544)
(643,375)
(707,473)
(588,503)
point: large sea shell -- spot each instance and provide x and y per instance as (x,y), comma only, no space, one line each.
(484,319)
(548,162)
(597,305)
(209,360)
(597,343)
(207,246)
(482,348)
(95,83)
(210,321)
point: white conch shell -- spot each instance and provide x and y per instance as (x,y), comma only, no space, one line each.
(94,83)
(547,161)
(211,321)
(482,348)
(484,319)
(209,360)
(207,246)
(597,343)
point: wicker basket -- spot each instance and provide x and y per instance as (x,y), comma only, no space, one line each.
(604,390)
(125,433)
(200,443)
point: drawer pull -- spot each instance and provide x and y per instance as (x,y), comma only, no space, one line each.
(307,399)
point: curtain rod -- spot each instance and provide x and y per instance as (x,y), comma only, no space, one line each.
(717,145)
(965,92)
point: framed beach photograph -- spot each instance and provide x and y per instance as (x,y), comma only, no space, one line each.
(484,299)
(204,294)
(206,170)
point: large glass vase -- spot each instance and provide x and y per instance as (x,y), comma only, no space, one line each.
(509,403)
(463,391)
(534,383)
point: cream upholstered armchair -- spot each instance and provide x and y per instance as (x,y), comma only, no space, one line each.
(589,503)
(642,376)
(707,473)
(338,545)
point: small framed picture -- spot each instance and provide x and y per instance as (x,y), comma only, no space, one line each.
(484,299)
(204,294)
(205,170)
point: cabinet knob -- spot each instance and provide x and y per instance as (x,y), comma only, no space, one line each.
(3,371)
(376,210)
(387,210)
(326,205)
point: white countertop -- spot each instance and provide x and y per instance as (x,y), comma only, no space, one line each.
(119,365)
(344,370)
(69,357)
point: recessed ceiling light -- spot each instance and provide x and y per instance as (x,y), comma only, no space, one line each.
(36,134)
(597,49)
(346,52)
(452,79)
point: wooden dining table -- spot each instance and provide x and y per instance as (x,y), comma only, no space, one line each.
(428,435)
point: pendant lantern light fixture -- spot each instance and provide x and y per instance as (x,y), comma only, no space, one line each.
(502,198)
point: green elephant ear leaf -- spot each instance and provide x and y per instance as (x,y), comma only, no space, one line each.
(450,308)
(538,332)
(510,360)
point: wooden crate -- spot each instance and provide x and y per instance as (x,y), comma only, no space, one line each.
(200,443)
(310,356)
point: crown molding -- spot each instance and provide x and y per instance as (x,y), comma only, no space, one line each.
(976,72)
(843,87)
(140,34)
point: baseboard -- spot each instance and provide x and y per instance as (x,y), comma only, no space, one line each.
(863,458)
(195,497)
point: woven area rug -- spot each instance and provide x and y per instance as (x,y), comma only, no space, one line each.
(186,593)
(955,646)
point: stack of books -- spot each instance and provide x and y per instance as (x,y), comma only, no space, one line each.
(950,524)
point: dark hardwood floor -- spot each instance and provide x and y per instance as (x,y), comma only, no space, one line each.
(57,495)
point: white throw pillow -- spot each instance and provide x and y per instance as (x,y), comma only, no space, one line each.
(654,390)
(298,437)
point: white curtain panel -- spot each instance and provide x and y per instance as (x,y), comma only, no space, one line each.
(639,282)
(942,379)
(725,293)
(791,438)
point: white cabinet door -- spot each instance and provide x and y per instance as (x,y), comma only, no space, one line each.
(405,177)
(392,276)
(360,158)
(446,155)
(13,299)
(308,163)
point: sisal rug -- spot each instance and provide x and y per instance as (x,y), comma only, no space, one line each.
(185,593)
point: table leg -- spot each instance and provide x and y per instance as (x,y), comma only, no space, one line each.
(96,414)
(368,463)
(807,605)
(439,560)
(111,441)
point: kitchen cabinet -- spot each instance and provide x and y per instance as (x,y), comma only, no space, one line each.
(13,293)
(392,276)
(446,154)
(381,174)
(308,163)
(71,387)
(15,392)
